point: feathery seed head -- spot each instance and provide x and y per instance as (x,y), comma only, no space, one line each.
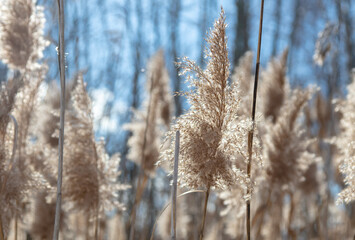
(90,175)
(21,34)
(345,142)
(325,43)
(149,123)
(274,86)
(286,143)
(213,136)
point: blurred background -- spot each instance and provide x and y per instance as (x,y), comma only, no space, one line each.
(111,41)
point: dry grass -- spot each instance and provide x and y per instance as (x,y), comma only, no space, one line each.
(276,158)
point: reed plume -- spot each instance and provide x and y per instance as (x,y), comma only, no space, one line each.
(21,47)
(8,92)
(243,77)
(345,144)
(324,43)
(149,124)
(9,186)
(21,34)
(90,175)
(213,141)
(213,136)
(286,144)
(275,86)
(42,217)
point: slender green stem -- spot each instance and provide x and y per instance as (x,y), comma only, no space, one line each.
(251,132)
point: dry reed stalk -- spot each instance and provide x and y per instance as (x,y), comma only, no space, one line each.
(204,213)
(290,232)
(267,205)
(139,193)
(96,231)
(61,59)
(174,187)
(251,132)
(345,144)
(16,223)
(167,205)
(97,210)
(141,184)
(153,119)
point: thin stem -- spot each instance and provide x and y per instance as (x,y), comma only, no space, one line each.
(291,233)
(97,223)
(204,213)
(87,228)
(97,226)
(61,59)
(16,219)
(263,213)
(140,189)
(14,145)
(251,132)
(174,187)
(167,205)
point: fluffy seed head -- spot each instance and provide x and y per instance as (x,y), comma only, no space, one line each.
(345,142)
(21,33)
(213,136)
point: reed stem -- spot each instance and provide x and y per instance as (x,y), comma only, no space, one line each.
(139,193)
(204,213)
(174,187)
(97,223)
(142,173)
(251,132)
(61,63)
(16,226)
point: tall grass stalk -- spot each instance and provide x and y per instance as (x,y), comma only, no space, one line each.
(61,58)
(141,184)
(174,187)
(12,160)
(251,132)
(139,192)
(16,223)
(204,213)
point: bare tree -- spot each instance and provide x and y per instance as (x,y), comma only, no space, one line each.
(278,9)
(242,29)
(174,11)
(346,21)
